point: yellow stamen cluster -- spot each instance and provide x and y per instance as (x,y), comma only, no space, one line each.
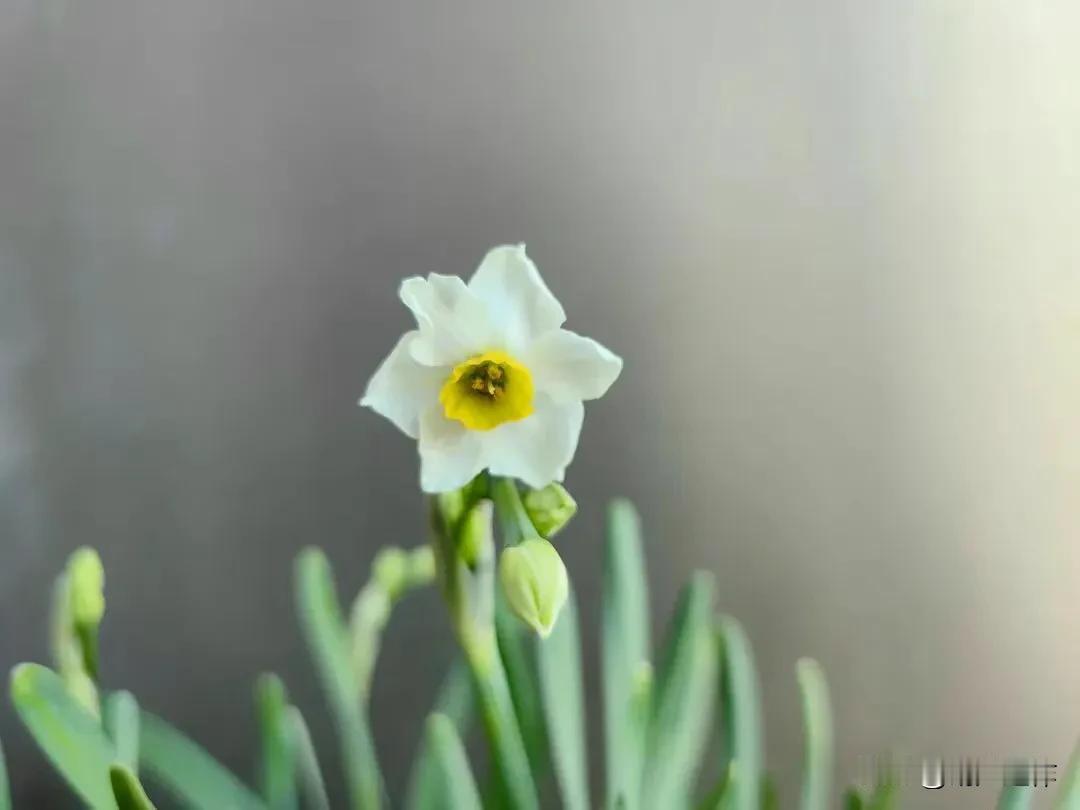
(487,391)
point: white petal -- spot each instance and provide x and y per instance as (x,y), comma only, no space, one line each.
(454,322)
(537,449)
(567,366)
(450,455)
(521,305)
(400,389)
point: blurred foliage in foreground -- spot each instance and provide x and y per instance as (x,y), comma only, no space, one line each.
(660,714)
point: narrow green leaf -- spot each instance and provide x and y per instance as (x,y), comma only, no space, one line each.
(5,789)
(1015,798)
(1068,797)
(559,662)
(459,790)
(312,784)
(818,732)
(683,699)
(276,765)
(194,777)
(741,715)
(328,641)
(455,701)
(524,683)
(120,715)
(69,735)
(770,796)
(886,795)
(127,789)
(624,648)
(853,800)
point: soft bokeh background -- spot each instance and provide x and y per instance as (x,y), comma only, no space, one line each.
(835,242)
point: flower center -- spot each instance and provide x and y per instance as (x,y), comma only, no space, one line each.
(488,390)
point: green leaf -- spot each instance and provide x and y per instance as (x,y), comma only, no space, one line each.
(127,790)
(459,790)
(328,641)
(818,732)
(853,800)
(5,790)
(69,735)
(559,662)
(312,784)
(624,648)
(770,797)
(1015,798)
(741,715)
(683,699)
(121,718)
(886,795)
(276,766)
(455,701)
(187,771)
(1068,797)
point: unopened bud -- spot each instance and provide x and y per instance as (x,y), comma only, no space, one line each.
(534,581)
(421,565)
(549,508)
(476,542)
(391,570)
(86,588)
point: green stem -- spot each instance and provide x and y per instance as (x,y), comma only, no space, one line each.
(500,722)
(465,554)
(514,522)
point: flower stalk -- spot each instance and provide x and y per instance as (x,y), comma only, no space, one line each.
(464,548)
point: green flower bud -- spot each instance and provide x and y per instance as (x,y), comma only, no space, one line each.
(475,540)
(534,581)
(549,508)
(86,587)
(391,570)
(421,565)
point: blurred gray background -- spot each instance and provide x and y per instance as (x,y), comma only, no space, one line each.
(836,244)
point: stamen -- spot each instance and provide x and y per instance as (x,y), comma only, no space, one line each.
(488,379)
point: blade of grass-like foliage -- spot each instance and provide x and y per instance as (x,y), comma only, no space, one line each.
(770,796)
(276,770)
(524,686)
(559,662)
(456,702)
(69,735)
(127,789)
(741,701)
(458,788)
(312,784)
(328,642)
(624,648)
(187,771)
(818,732)
(683,699)
(5,789)
(1068,797)
(1015,798)
(120,714)
(853,800)
(885,797)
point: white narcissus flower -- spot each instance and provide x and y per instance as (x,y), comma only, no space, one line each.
(489,379)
